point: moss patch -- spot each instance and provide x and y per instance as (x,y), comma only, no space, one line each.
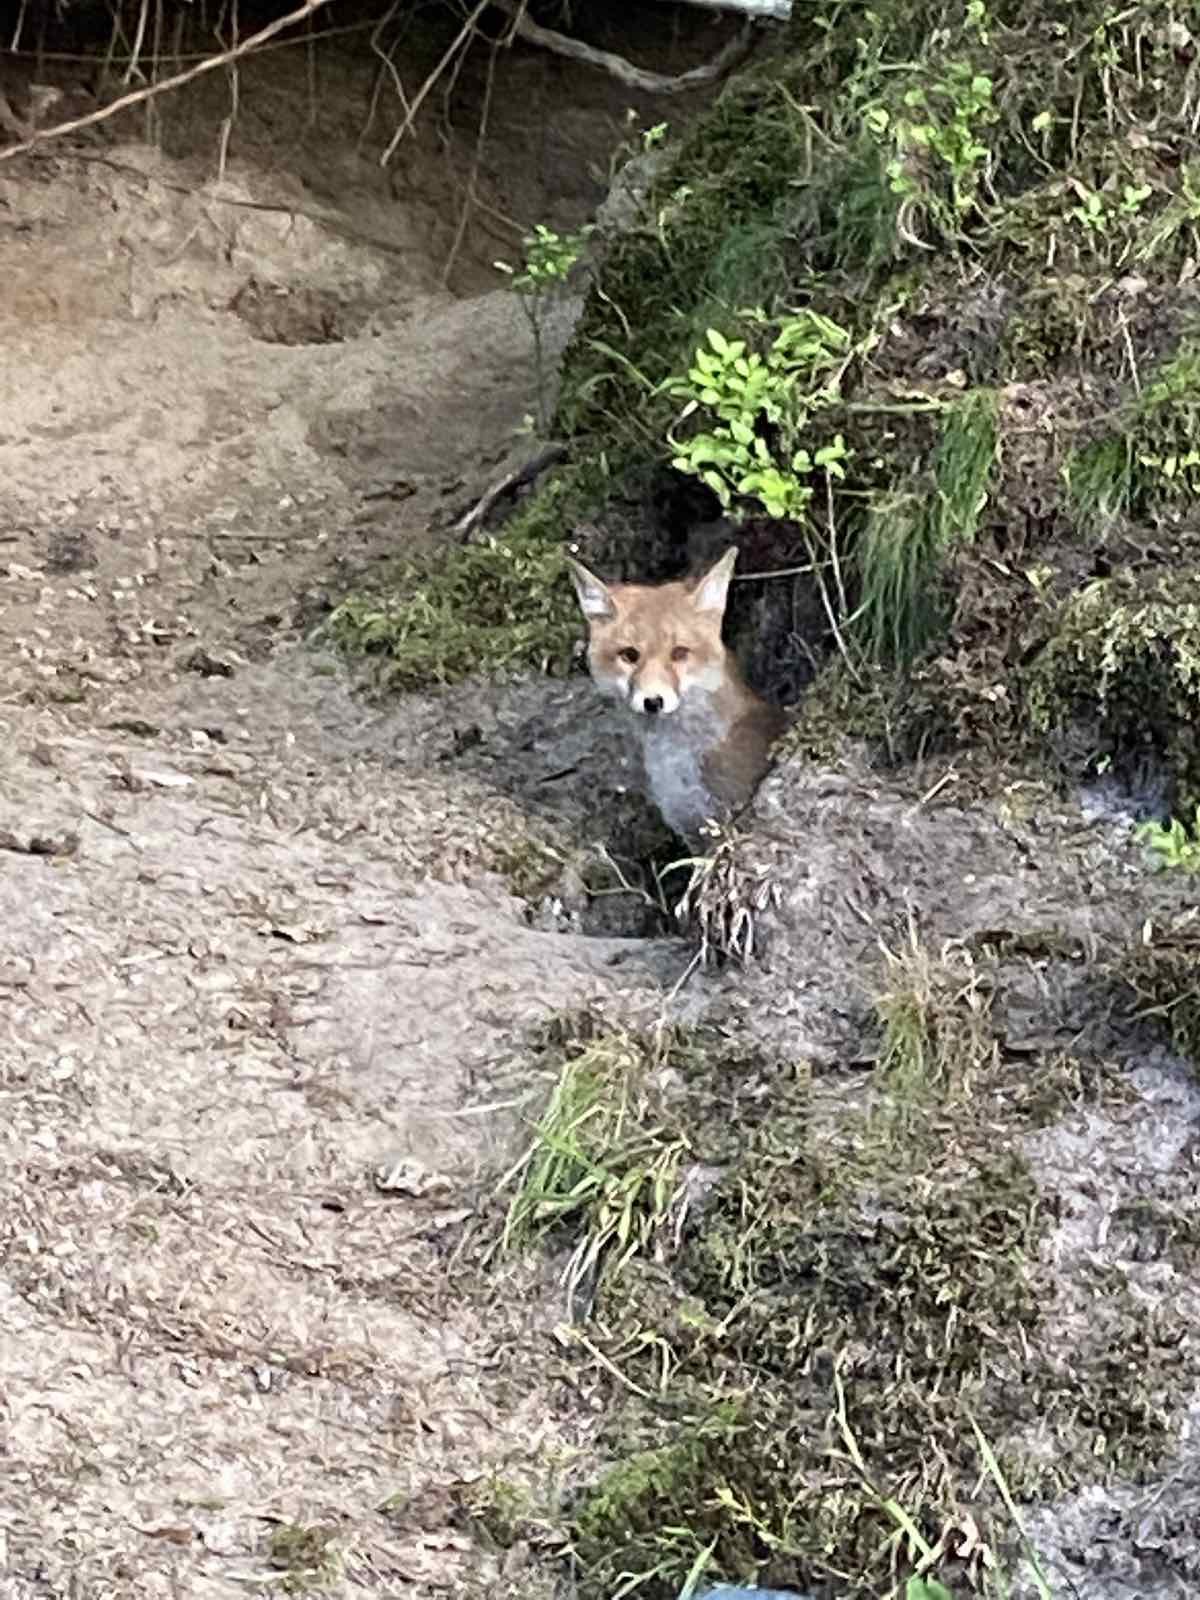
(500,604)
(1120,676)
(802,1308)
(304,1555)
(481,608)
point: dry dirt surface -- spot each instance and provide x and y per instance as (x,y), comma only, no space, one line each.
(259,997)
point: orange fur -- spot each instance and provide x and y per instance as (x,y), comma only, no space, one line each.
(657,648)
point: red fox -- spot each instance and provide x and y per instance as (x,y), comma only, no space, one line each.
(706,735)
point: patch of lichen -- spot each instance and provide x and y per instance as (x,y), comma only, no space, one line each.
(1118,679)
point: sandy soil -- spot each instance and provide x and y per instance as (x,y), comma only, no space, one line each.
(261,999)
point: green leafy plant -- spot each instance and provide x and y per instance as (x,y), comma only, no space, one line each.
(755,407)
(926,1589)
(932,141)
(549,258)
(1148,462)
(1175,844)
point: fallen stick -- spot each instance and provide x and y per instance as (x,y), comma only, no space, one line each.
(526,473)
(616,66)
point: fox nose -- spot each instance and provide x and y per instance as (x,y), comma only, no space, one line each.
(652,704)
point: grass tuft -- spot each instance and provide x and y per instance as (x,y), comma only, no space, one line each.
(908,535)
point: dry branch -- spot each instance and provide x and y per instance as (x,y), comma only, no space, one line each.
(616,66)
(527,472)
(139,96)
(463,34)
(772,10)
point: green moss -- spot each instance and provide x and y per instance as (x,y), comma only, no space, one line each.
(831,1287)
(501,604)
(608,1149)
(824,1315)
(304,1555)
(503,1511)
(1046,328)
(842,707)
(1123,664)
(479,608)
(720,193)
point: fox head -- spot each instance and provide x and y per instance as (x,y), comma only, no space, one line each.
(654,645)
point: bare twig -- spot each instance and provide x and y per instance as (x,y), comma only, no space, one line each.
(20,23)
(774,10)
(133,70)
(468,203)
(455,45)
(389,66)
(617,66)
(210,64)
(779,572)
(525,473)
(230,118)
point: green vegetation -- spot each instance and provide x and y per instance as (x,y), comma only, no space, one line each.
(487,607)
(908,302)
(304,1555)
(740,395)
(1122,664)
(483,608)
(908,534)
(1176,846)
(916,283)
(549,259)
(798,1299)
(1148,463)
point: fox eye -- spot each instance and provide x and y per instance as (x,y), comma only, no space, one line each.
(680,653)
(628,654)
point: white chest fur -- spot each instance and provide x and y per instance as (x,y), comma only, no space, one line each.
(675,747)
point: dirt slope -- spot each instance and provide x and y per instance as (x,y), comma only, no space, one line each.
(252,955)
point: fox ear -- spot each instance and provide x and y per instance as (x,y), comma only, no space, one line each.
(594,596)
(711,590)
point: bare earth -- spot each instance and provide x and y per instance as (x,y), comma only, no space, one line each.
(259,996)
